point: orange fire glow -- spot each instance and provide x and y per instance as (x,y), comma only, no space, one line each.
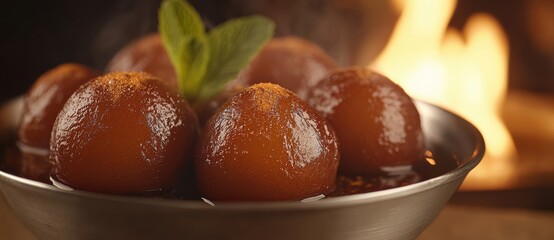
(465,72)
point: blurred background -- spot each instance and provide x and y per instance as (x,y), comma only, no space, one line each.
(489,61)
(38,35)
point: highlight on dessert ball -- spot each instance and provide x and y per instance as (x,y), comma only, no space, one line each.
(279,120)
(266,144)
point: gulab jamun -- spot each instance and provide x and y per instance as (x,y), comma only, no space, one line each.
(145,54)
(292,62)
(124,133)
(41,106)
(45,99)
(376,122)
(266,144)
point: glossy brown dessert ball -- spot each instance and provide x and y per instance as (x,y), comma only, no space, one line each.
(45,99)
(294,63)
(123,133)
(266,144)
(145,54)
(376,122)
(41,105)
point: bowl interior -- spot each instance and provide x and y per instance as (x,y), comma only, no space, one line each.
(441,128)
(397,213)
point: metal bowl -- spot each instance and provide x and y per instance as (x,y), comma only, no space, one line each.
(398,213)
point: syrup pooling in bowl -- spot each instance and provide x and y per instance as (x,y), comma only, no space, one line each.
(438,161)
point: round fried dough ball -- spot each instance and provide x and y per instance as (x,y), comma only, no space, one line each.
(45,99)
(266,144)
(145,54)
(123,133)
(291,62)
(376,122)
(41,106)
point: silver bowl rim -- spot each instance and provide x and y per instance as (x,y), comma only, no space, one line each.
(340,201)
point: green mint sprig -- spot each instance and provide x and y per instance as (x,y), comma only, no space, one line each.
(204,62)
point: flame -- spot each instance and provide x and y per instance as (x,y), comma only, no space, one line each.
(465,72)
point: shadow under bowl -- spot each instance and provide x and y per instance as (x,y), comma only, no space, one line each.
(398,213)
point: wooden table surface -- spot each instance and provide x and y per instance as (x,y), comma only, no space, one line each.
(454,222)
(463,222)
(10,227)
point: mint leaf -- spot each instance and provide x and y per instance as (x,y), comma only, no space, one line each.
(183,35)
(192,59)
(233,45)
(178,19)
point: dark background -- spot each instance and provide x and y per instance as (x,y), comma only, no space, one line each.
(38,35)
